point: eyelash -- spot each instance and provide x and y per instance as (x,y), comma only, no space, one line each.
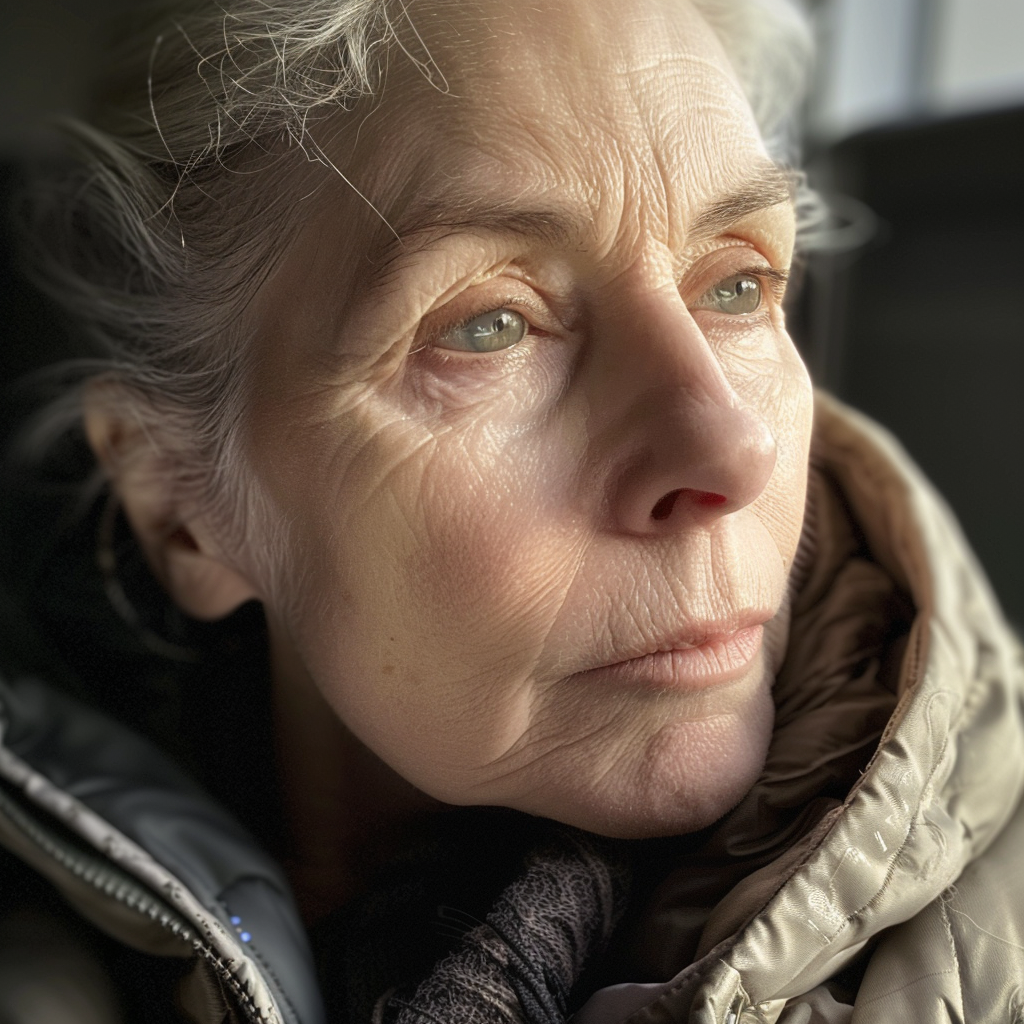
(773,281)
(776,279)
(512,303)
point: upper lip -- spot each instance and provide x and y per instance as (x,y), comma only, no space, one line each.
(693,635)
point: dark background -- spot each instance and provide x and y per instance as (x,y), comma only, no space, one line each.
(922,326)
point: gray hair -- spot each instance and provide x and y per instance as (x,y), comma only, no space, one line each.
(156,240)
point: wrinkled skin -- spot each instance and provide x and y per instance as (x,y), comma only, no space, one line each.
(466,537)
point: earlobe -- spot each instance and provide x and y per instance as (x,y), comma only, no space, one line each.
(181,549)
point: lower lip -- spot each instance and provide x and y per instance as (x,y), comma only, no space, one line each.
(711,663)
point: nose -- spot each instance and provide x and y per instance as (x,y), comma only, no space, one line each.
(685,447)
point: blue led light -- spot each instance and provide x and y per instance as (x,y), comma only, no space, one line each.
(245,936)
(236,921)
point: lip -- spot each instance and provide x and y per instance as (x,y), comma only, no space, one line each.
(716,658)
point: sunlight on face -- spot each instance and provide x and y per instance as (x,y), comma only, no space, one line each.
(539,467)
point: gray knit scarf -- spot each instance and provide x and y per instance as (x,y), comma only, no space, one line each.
(520,965)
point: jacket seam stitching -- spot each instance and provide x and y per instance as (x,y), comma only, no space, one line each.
(958,973)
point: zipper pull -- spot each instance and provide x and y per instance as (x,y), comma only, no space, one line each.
(744,1012)
(738,1007)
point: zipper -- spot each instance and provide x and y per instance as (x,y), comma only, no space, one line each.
(117,885)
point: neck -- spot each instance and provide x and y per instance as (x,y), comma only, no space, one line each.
(346,810)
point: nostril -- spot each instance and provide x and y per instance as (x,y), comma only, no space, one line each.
(664,505)
(709,499)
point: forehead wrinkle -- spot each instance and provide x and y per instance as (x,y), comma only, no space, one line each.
(432,222)
(608,178)
(555,226)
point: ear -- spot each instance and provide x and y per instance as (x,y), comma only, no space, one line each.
(174,532)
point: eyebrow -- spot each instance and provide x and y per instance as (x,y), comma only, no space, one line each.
(430,221)
(769,186)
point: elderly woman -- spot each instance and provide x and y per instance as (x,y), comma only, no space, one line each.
(604,685)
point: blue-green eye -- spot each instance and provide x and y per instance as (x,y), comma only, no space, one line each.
(736,295)
(489,332)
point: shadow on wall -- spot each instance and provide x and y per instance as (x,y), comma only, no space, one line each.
(923,326)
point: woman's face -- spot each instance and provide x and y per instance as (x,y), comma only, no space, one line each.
(536,448)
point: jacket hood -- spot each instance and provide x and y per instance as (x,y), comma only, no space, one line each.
(943,783)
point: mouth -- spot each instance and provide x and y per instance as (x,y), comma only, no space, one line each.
(709,658)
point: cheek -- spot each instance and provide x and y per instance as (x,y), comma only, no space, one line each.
(763,366)
(795,423)
(428,598)
(487,500)
(770,377)
(495,559)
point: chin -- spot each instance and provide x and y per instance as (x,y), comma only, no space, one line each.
(689,776)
